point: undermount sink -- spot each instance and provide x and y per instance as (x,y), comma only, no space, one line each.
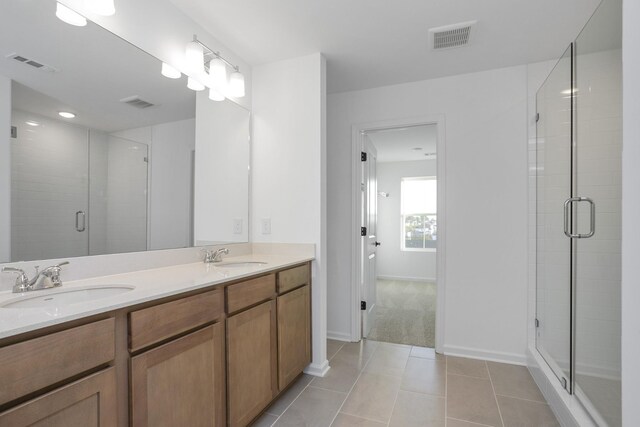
(62,297)
(240,264)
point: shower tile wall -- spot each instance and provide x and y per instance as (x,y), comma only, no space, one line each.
(48,185)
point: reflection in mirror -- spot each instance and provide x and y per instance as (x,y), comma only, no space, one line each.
(120,172)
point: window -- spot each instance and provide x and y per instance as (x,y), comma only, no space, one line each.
(419,202)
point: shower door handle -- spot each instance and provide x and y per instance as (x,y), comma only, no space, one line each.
(592,221)
(84,221)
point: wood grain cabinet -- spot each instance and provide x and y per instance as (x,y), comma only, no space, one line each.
(294,334)
(181,383)
(251,362)
(89,402)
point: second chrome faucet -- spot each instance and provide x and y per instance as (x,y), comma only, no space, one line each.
(45,279)
(214,256)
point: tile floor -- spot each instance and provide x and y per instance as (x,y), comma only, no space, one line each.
(374,384)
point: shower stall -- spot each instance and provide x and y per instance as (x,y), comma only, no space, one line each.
(578,216)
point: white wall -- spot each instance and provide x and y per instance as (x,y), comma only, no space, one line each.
(221,172)
(393,262)
(486,155)
(5,169)
(163,30)
(630,215)
(288,165)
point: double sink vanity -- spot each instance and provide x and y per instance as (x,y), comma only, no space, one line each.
(200,344)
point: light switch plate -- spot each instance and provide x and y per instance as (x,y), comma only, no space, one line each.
(266,225)
(237,226)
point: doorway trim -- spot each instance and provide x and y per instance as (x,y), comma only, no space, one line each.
(356,170)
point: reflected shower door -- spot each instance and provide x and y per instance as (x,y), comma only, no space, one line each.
(598,65)
(553,248)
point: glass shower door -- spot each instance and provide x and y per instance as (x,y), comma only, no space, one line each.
(598,64)
(553,249)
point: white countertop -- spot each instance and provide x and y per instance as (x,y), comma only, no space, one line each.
(149,285)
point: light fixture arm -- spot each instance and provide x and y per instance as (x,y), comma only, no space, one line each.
(208,52)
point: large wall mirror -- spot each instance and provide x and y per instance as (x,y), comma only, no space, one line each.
(143,164)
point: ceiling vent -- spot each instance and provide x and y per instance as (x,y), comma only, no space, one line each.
(136,101)
(32,62)
(450,36)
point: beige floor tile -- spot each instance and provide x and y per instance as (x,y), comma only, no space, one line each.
(426,353)
(452,422)
(372,397)
(417,410)
(333,347)
(360,350)
(525,413)
(425,376)
(472,399)
(345,420)
(342,375)
(388,359)
(278,407)
(315,407)
(514,381)
(468,367)
(266,420)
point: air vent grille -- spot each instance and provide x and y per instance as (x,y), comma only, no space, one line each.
(137,102)
(32,62)
(451,36)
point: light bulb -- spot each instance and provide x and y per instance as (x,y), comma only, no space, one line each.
(194,54)
(218,73)
(194,84)
(236,85)
(170,72)
(69,16)
(214,95)
(102,7)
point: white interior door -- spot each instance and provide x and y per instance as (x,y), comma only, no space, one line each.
(369,187)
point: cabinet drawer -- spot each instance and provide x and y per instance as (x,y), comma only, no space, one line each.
(293,278)
(157,323)
(31,365)
(246,294)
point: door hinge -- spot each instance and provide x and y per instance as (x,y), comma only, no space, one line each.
(363,231)
(537,322)
(14,132)
(363,305)
(363,156)
(537,117)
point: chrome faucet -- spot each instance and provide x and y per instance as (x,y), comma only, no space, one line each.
(45,279)
(214,256)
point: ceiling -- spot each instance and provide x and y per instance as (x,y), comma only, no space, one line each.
(89,81)
(405,144)
(372,43)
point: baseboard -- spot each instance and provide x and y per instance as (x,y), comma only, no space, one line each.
(493,356)
(338,336)
(318,370)
(408,278)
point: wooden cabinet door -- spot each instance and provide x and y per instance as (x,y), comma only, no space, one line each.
(252,364)
(181,383)
(88,402)
(294,334)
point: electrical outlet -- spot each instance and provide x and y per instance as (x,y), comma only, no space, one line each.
(266,225)
(237,226)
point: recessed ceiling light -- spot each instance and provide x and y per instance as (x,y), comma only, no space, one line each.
(66,114)
(32,123)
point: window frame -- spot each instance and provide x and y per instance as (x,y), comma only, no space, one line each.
(403,216)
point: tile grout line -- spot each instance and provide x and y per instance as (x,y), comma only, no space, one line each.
(399,388)
(471,422)
(495,396)
(522,398)
(354,384)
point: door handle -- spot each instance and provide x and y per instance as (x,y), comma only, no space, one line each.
(377,243)
(592,221)
(84,221)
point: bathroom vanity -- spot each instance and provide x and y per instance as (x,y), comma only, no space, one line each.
(214,349)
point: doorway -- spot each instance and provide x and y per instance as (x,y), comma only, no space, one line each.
(400,250)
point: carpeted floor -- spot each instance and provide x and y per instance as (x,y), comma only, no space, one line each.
(406,313)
